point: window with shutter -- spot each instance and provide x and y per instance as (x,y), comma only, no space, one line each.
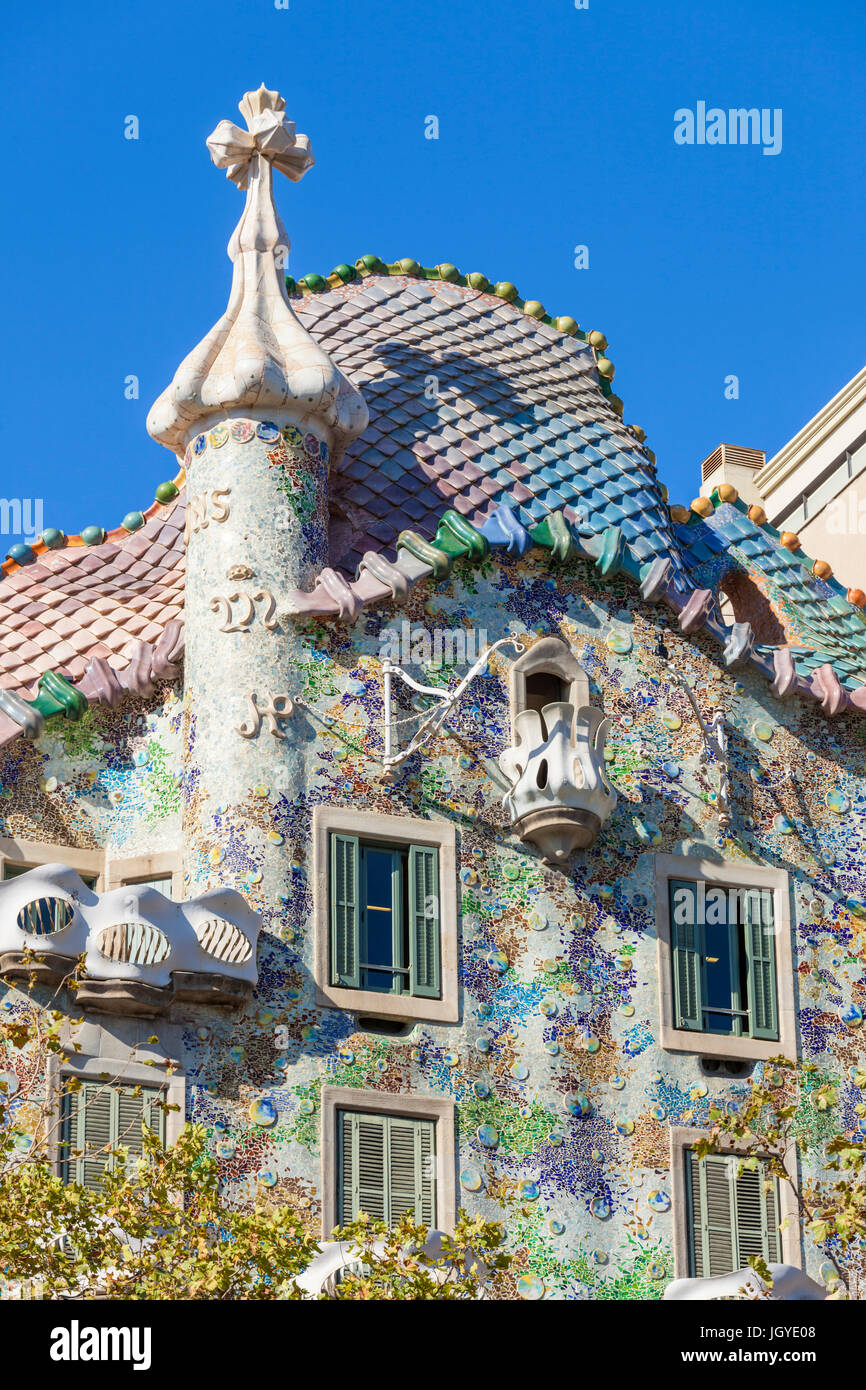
(13,870)
(723,959)
(730,1218)
(385,917)
(100,1117)
(385,1167)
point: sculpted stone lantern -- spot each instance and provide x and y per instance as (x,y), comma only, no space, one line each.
(560,795)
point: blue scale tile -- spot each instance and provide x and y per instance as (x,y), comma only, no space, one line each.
(629,506)
(552,500)
(569,492)
(505,478)
(644,499)
(642,548)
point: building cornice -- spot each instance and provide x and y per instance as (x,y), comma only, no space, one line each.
(820,427)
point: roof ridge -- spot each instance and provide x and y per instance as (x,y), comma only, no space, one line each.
(51,538)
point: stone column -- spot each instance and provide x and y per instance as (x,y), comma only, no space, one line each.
(256,526)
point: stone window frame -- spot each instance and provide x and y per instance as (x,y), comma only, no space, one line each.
(120,1049)
(553,655)
(122,872)
(397,830)
(727,874)
(683,1137)
(441,1110)
(34,853)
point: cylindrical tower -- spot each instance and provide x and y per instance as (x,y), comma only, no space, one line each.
(258,412)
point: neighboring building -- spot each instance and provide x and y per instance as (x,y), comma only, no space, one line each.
(484,973)
(813,490)
(815,484)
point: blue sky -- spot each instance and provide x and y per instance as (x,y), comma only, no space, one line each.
(556,130)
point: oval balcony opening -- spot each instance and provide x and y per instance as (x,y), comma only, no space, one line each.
(223,940)
(45,916)
(133,943)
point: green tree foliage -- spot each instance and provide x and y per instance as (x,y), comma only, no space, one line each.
(158,1226)
(792,1104)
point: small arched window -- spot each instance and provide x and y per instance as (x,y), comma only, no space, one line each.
(547,674)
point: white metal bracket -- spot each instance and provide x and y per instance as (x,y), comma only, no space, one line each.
(431,719)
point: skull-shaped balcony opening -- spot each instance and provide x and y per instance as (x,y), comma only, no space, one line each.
(133,943)
(547,674)
(559,795)
(45,916)
(223,940)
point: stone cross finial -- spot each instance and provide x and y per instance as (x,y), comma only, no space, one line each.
(269,135)
(258,360)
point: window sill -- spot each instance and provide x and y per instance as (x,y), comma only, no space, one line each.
(405,1006)
(716,1045)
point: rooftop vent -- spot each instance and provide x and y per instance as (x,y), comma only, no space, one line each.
(733,456)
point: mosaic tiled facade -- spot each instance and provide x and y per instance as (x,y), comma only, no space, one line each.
(521,507)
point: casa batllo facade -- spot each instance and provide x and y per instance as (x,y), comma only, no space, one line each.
(496,943)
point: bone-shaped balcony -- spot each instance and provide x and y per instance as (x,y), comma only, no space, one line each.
(559,797)
(141,950)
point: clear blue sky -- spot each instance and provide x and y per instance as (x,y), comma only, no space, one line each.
(556,129)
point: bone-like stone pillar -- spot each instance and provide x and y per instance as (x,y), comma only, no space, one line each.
(256,526)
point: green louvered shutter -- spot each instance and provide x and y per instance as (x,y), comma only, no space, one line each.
(403,1168)
(425,1182)
(713,1234)
(98,1118)
(686,944)
(731,1217)
(761,952)
(345,934)
(132,1112)
(362,1166)
(773,1219)
(757,1215)
(86,1134)
(424,922)
(386,1167)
